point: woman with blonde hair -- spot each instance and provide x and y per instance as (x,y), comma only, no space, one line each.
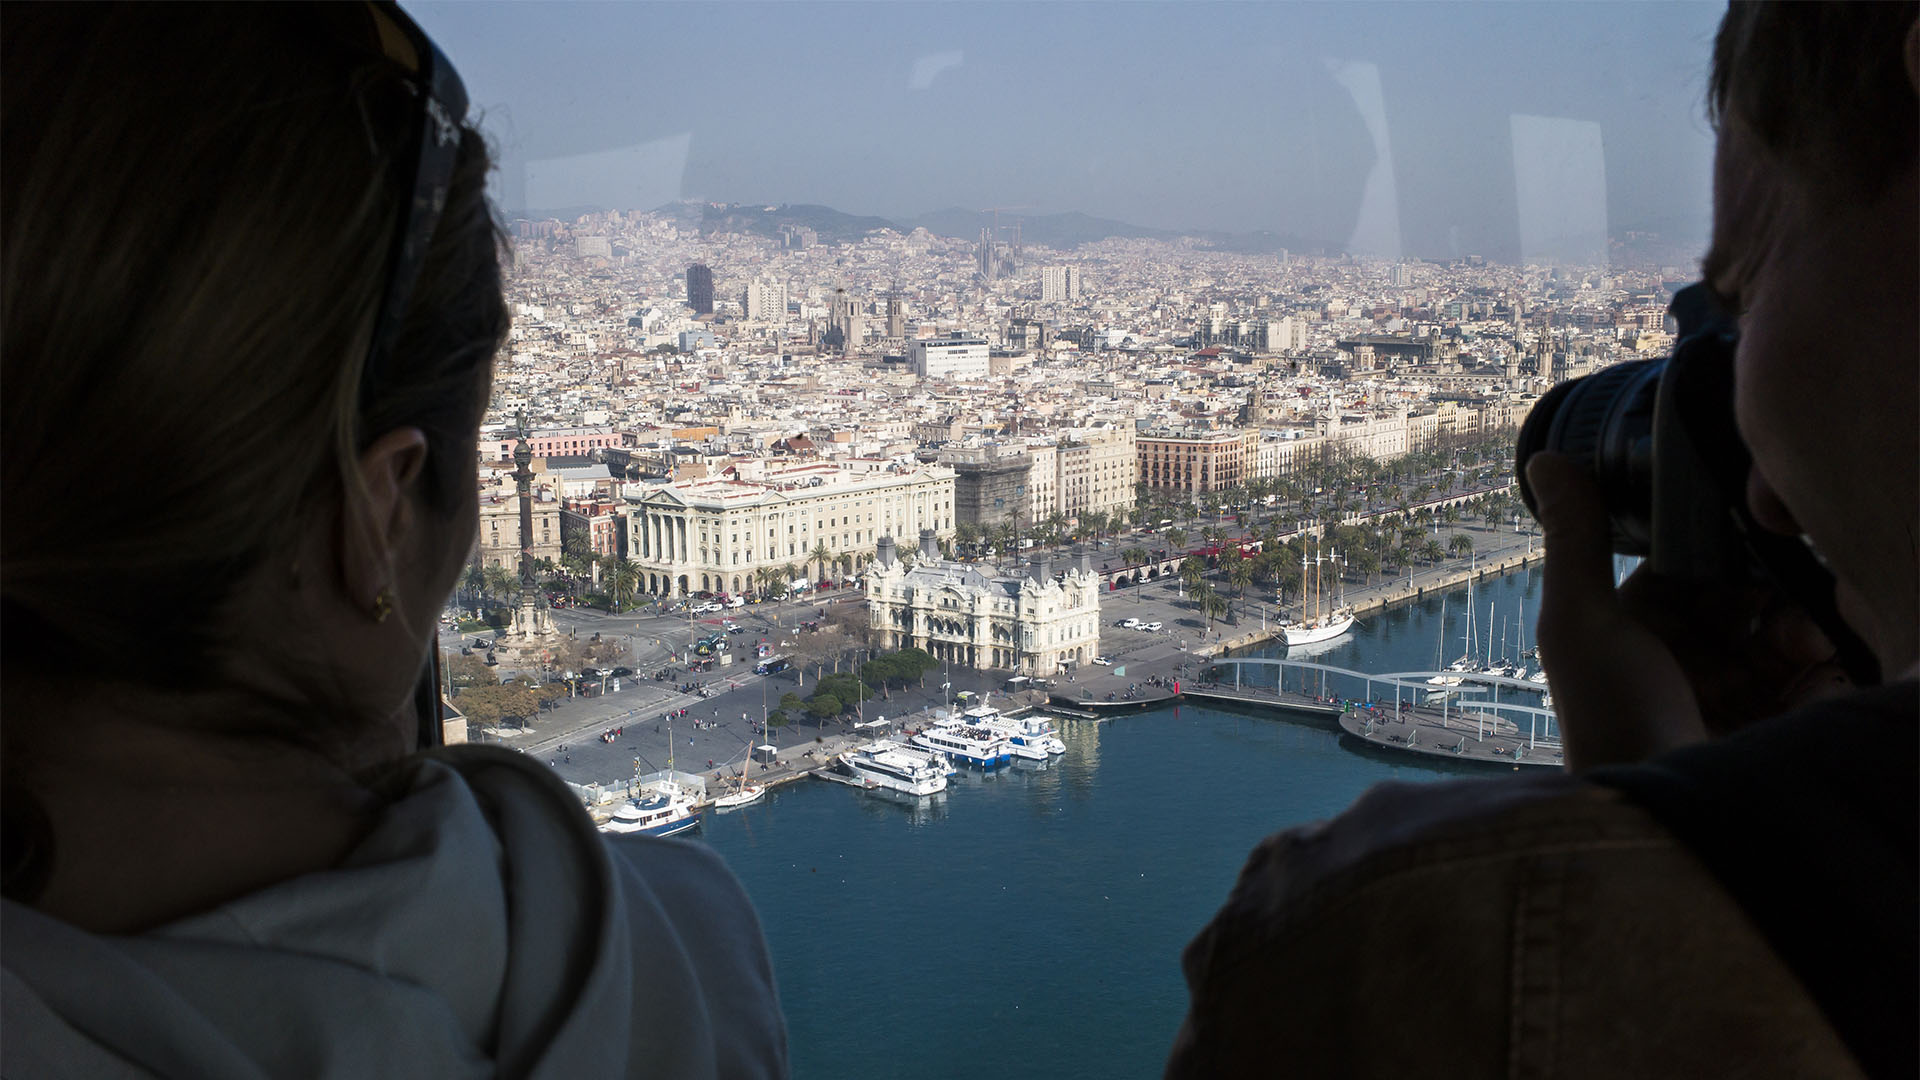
(250,304)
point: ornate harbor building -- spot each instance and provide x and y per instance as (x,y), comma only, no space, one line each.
(1030,625)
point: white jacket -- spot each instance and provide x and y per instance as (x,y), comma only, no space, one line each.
(484,928)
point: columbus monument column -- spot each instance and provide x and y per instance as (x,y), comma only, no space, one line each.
(532,623)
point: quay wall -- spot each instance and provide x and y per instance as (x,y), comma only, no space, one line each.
(1393,594)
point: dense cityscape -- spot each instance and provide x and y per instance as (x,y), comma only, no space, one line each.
(724,401)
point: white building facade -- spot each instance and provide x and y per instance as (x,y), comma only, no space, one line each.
(1059,283)
(766,301)
(1030,625)
(953,357)
(711,535)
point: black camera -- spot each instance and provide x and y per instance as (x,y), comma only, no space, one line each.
(1659,438)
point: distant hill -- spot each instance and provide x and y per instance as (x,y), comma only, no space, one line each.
(1067,230)
(1062,230)
(761,219)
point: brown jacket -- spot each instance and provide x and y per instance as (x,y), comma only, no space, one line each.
(1537,926)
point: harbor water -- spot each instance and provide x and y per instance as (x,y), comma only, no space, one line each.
(1029,922)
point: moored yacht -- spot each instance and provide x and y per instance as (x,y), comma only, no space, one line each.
(888,764)
(663,810)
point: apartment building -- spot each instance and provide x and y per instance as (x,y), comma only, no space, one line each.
(1194,462)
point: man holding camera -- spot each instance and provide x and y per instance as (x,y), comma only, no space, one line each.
(1724,881)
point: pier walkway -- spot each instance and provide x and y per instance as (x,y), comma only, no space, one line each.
(1396,710)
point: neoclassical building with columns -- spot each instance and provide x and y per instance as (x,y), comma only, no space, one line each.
(711,535)
(1031,625)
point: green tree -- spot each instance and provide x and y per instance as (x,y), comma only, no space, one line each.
(1460,546)
(469,671)
(1240,574)
(821,557)
(1193,570)
(473,584)
(623,580)
(1211,604)
(1433,550)
(502,583)
(1177,539)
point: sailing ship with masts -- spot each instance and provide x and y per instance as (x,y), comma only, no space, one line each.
(1329,620)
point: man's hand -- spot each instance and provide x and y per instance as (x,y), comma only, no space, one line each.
(1658,663)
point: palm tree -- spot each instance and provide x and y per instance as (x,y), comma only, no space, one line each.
(1461,544)
(1192,571)
(622,582)
(1177,539)
(820,556)
(1211,604)
(502,582)
(473,583)
(1240,573)
(1134,556)
(1433,550)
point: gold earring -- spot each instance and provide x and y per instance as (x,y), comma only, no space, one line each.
(382,604)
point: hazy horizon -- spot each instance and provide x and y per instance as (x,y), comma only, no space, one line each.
(1430,130)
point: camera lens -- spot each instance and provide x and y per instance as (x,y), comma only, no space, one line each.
(1603,421)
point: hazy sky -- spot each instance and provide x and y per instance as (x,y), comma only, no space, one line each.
(1426,129)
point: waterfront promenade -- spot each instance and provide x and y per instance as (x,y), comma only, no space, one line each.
(1142,671)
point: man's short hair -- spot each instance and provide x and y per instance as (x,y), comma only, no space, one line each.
(1822,86)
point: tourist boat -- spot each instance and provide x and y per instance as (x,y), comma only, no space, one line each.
(974,745)
(888,764)
(1324,625)
(664,810)
(1029,738)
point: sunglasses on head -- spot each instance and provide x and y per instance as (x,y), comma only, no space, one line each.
(433,143)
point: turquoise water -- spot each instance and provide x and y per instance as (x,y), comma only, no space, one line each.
(1029,923)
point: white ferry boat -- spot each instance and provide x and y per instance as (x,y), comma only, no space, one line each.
(1029,741)
(888,764)
(664,810)
(964,742)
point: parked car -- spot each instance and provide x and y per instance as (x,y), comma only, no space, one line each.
(1130,623)
(1151,628)
(622,672)
(1103,661)
(707,609)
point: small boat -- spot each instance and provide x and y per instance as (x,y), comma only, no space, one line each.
(744,795)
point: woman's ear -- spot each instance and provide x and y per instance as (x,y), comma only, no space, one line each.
(377,523)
